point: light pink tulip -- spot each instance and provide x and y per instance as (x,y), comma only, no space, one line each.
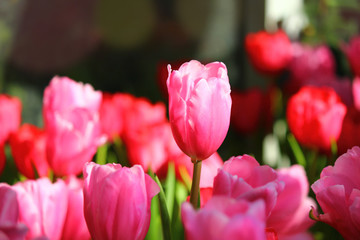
(242,177)
(10,229)
(290,216)
(117,201)
(42,207)
(75,225)
(71,115)
(224,218)
(10,116)
(199,107)
(338,194)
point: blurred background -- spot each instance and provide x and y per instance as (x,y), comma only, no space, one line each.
(125,45)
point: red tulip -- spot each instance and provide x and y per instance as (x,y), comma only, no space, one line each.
(315,117)
(10,116)
(246,110)
(350,131)
(117,201)
(113,110)
(199,107)
(71,115)
(28,145)
(2,158)
(269,53)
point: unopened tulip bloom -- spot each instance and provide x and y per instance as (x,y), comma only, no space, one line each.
(224,218)
(338,194)
(199,107)
(117,201)
(28,148)
(75,225)
(315,116)
(42,207)
(269,53)
(10,228)
(71,115)
(10,116)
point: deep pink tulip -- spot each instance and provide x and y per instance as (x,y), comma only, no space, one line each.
(338,194)
(117,201)
(42,207)
(242,177)
(28,145)
(352,51)
(315,116)
(199,107)
(75,225)
(224,218)
(290,216)
(113,110)
(269,53)
(356,92)
(10,229)
(71,115)
(10,116)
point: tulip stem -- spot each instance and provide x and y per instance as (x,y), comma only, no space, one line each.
(194,194)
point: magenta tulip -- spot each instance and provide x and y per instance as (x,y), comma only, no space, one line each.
(10,116)
(10,229)
(242,177)
(2,158)
(42,207)
(290,216)
(338,194)
(71,115)
(199,107)
(117,201)
(75,225)
(224,218)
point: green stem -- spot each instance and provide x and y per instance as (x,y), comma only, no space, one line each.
(194,194)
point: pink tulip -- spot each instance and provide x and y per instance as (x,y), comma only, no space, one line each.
(117,201)
(10,116)
(338,194)
(199,107)
(10,229)
(352,51)
(28,145)
(242,177)
(75,225)
(356,92)
(42,207)
(224,218)
(71,115)
(290,216)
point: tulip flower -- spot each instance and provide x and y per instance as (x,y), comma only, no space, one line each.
(315,117)
(352,51)
(350,131)
(113,110)
(2,158)
(71,116)
(199,111)
(75,224)
(42,207)
(242,177)
(290,216)
(28,145)
(10,228)
(269,53)
(224,218)
(337,192)
(117,201)
(10,116)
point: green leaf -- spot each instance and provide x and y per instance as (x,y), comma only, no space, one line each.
(165,219)
(295,147)
(170,189)
(101,154)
